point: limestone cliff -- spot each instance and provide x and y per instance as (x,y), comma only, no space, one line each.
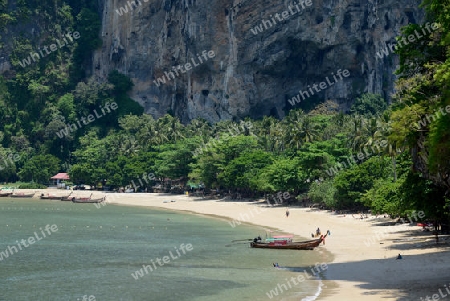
(251,74)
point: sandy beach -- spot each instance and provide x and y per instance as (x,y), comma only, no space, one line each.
(365,250)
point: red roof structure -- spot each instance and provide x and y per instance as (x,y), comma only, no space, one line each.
(61,176)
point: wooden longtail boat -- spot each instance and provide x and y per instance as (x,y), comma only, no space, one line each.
(88,200)
(5,194)
(288,245)
(280,238)
(81,199)
(53,197)
(22,195)
(67,198)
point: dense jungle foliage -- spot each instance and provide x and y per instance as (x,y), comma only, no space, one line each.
(388,158)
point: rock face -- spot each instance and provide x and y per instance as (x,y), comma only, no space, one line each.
(254,72)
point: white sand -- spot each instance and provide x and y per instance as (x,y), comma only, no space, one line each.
(361,272)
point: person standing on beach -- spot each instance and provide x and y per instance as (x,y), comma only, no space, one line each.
(287,212)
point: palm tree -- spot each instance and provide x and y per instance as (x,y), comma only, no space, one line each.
(199,127)
(384,130)
(357,132)
(265,130)
(309,131)
(293,125)
(168,128)
(276,133)
(129,145)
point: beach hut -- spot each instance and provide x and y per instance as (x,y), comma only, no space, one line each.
(58,179)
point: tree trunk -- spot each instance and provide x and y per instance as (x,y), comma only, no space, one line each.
(394,165)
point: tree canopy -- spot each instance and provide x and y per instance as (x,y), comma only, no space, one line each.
(411,169)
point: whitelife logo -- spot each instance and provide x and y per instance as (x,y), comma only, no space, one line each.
(150,177)
(439,113)
(9,160)
(162,80)
(90,118)
(391,48)
(436,297)
(351,160)
(278,290)
(124,10)
(35,56)
(284,16)
(318,87)
(244,125)
(166,259)
(11,250)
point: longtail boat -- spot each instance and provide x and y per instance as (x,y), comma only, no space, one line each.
(22,195)
(67,198)
(81,199)
(53,197)
(280,238)
(88,200)
(5,194)
(287,243)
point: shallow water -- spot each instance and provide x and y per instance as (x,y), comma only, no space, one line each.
(95,251)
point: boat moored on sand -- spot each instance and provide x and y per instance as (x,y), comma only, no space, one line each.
(285,242)
(53,197)
(22,195)
(88,200)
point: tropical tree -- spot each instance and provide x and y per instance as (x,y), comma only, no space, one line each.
(352,183)
(369,105)
(39,169)
(243,171)
(323,192)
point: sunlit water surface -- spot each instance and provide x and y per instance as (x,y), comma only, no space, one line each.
(94,252)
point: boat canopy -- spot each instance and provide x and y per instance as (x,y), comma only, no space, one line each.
(283,236)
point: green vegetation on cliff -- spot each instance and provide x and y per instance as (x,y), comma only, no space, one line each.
(391,159)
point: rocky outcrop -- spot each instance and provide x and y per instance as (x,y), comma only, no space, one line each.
(252,74)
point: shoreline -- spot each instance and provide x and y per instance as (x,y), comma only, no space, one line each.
(364,264)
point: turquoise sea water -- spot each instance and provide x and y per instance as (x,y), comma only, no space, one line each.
(94,252)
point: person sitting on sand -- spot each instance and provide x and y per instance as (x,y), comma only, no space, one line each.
(399,256)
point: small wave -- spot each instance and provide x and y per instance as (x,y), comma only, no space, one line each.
(317,294)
